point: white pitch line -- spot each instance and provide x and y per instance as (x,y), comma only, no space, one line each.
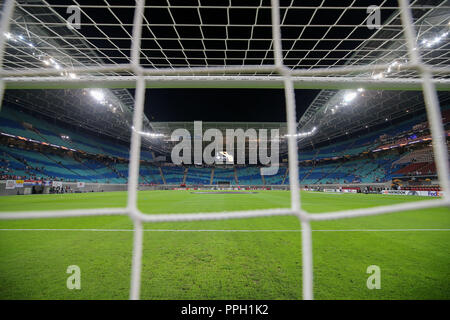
(228,230)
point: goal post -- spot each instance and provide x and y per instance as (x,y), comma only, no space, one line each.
(277,75)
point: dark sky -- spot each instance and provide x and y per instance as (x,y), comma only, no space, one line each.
(223,105)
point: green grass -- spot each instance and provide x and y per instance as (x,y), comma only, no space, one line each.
(224,265)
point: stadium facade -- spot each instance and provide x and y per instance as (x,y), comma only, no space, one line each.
(74,119)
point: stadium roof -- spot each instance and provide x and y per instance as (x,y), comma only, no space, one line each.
(31,44)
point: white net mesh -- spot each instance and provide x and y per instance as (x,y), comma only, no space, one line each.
(233,44)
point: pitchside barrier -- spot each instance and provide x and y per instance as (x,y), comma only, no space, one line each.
(282,77)
(14,189)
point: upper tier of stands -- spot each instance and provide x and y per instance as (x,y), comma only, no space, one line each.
(27,164)
(224,175)
(196,176)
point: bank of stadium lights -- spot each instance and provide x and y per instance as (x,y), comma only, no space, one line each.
(394,65)
(10,36)
(51,62)
(378,76)
(428,43)
(349,96)
(152,134)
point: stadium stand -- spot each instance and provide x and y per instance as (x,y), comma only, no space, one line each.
(226,175)
(173,175)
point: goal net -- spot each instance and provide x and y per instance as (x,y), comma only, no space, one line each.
(232,44)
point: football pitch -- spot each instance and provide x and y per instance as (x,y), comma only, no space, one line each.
(257,258)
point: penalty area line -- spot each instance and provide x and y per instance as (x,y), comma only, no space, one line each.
(230,230)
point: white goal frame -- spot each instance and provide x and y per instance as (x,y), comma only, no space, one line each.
(287,78)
